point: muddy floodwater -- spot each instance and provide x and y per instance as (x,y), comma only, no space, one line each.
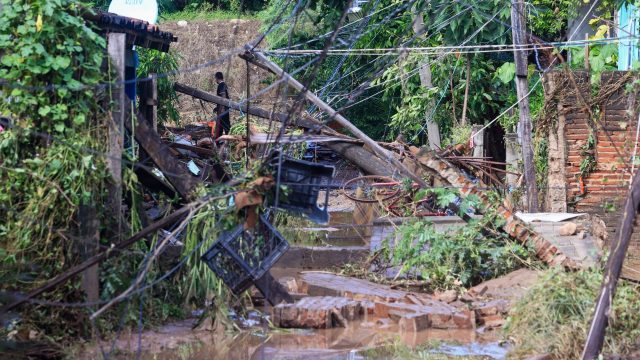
(358,341)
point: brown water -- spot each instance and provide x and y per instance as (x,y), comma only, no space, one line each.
(340,231)
(179,341)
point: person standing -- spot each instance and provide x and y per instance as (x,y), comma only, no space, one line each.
(223,124)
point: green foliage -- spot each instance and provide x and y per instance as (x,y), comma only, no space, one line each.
(548,18)
(34,54)
(157,62)
(464,257)
(588,163)
(50,69)
(506,72)
(471,28)
(554,316)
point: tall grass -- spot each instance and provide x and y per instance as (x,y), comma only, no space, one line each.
(205,15)
(554,316)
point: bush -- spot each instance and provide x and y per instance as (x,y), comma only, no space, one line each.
(462,258)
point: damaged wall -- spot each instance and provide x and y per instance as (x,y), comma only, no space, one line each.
(603,190)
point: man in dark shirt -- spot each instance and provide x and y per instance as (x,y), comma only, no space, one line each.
(223,124)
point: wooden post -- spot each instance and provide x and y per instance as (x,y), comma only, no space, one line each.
(248,131)
(149,101)
(522,89)
(595,337)
(586,53)
(89,236)
(478,141)
(154,102)
(116,48)
(433,130)
(335,116)
(265,114)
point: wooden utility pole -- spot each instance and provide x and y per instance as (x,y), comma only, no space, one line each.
(595,337)
(433,130)
(116,47)
(518,31)
(337,117)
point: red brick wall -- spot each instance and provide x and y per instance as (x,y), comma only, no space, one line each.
(609,183)
(615,137)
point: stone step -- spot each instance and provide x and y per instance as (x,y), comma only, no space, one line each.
(322,312)
(317,283)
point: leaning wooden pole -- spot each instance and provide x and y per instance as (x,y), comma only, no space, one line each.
(252,110)
(518,31)
(337,117)
(595,337)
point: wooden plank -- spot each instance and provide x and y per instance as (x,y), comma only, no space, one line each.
(116,48)
(89,244)
(196,149)
(160,153)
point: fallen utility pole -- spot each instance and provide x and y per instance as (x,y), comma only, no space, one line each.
(352,152)
(206,96)
(595,337)
(518,31)
(68,274)
(335,116)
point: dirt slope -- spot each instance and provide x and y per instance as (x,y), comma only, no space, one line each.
(200,42)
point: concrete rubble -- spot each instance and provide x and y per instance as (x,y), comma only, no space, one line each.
(331,300)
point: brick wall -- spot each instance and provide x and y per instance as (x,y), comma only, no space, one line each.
(607,185)
(605,188)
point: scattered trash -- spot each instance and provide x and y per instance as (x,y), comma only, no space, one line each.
(195,170)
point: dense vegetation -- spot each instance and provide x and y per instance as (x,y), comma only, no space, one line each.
(553,317)
(55,85)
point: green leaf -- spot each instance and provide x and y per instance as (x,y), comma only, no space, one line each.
(62,62)
(506,72)
(44,110)
(79,119)
(59,127)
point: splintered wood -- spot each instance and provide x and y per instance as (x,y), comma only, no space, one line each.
(322,312)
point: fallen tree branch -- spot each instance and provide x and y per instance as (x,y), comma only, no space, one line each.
(62,278)
(158,250)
